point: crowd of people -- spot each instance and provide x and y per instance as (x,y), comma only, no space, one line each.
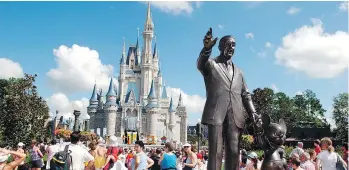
(102,155)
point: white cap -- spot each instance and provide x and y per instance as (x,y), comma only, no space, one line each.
(187,145)
(113,141)
(20,144)
(253,155)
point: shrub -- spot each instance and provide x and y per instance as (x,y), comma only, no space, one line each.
(247,142)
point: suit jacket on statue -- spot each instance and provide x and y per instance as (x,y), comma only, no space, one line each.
(224,86)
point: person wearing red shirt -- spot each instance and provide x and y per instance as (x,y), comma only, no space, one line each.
(317,146)
(112,153)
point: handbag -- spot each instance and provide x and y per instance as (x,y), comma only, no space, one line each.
(339,164)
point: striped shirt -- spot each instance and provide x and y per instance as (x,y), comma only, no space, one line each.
(308,165)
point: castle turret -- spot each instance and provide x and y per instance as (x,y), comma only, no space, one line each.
(111,108)
(122,73)
(92,108)
(146,66)
(152,109)
(183,115)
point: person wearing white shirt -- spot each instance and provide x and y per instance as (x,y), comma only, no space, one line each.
(79,154)
(298,150)
(51,151)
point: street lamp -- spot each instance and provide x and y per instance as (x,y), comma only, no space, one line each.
(198,133)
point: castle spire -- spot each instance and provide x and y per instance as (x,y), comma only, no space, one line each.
(94,95)
(149,22)
(111,90)
(164,92)
(152,92)
(180,101)
(123,55)
(171,108)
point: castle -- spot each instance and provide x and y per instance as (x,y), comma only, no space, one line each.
(141,104)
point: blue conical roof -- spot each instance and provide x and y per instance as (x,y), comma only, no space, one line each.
(152,92)
(164,93)
(171,108)
(94,95)
(111,91)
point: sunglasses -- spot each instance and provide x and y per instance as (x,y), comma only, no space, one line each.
(186,146)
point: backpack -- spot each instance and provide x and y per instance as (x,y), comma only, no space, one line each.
(61,160)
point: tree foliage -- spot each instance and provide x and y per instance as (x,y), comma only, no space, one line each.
(298,111)
(340,115)
(23,112)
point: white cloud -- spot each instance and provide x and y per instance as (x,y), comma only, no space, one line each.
(175,7)
(193,103)
(276,89)
(220,26)
(60,102)
(10,69)
(299,93)
(293,10)
(249,35)
(262,54)
(344,6)
(268,45)
(311,50)
(329,118)
(77,70)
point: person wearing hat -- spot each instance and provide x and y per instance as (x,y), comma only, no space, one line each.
(4,155)
(190,162)
(112,153)
(254,164)
(20,146)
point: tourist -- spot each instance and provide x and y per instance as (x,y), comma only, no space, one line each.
(120,163)
(79,154)
(317,146)
(306,163)
(191,159)
(168,160)
(179,160)
(243,163)
(156,157)
(298,150)
(254,164)
(141,161)
(112,153)
(51,151)
(99,160)
(328,157)
(345,152)
(35,156)
(4,155)
(296,164)
(312,154)
(20,146)
(292,157)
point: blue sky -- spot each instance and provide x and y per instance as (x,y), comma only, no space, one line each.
(312,56)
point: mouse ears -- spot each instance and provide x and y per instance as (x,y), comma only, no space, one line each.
(282,123)
(266,120)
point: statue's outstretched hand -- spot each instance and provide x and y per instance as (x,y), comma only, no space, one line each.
(209,42)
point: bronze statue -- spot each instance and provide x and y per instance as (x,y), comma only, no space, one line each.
(227,99)
(271,142)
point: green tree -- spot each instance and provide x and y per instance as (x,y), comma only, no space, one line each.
(263,100)
(308,106)
(284,109)
(22,110)
(340,115)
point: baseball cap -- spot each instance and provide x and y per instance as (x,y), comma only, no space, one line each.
(20,144)
(253,155)
(187,145)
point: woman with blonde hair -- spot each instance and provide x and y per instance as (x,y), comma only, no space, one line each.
(327,158)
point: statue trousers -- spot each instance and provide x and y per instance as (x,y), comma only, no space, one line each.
(227,135)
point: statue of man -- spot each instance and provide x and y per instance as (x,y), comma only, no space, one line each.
(227,99)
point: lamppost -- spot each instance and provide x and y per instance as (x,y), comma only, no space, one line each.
(76,113)
(198,133)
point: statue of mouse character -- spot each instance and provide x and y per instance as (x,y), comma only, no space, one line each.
(271,142)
